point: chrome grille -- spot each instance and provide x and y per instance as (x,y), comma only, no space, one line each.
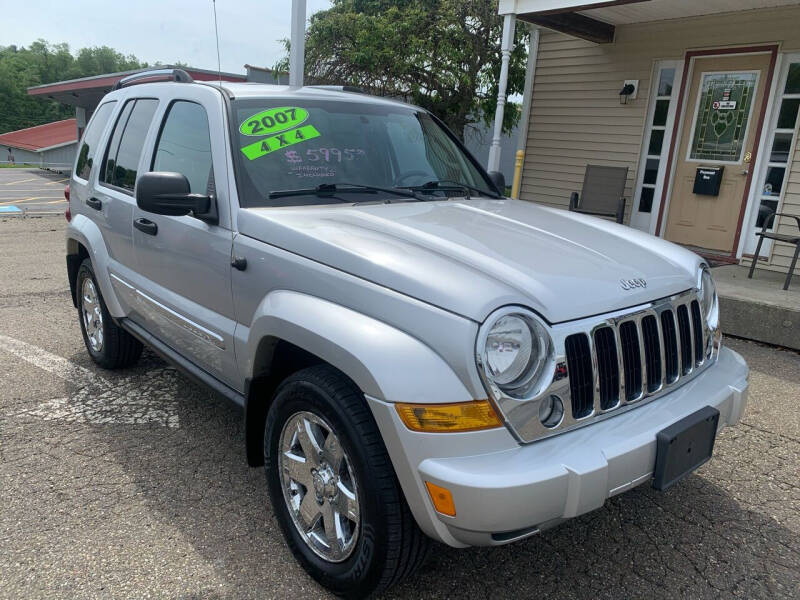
(652,348)
(671,357)
(611,363)
(607,366)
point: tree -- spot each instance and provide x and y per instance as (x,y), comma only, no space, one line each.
(42,62)
(443,55)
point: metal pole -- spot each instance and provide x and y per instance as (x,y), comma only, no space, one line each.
(298,43)
(524,120)
(505,50)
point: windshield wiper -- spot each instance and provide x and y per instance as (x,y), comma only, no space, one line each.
(329,189)
(453,185)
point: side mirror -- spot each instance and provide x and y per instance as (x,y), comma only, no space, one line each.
(165,193)
(499,181)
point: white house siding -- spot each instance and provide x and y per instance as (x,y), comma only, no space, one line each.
(56,159)
(576,117)
(20,155)
(59,159)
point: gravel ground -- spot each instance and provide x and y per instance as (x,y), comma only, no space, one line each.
(134,484)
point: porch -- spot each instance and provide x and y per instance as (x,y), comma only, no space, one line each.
(740,57)
(758,309)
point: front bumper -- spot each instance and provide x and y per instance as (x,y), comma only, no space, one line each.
(504,491)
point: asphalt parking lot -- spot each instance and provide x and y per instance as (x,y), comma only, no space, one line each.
(31,191)
(133,484)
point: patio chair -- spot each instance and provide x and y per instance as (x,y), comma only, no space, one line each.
(602,193)
(788,238)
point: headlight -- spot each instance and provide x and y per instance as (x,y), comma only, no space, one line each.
(513,350)
(708,298)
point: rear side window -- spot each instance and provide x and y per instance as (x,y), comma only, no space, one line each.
(184,145)
(127,142)
(91,138)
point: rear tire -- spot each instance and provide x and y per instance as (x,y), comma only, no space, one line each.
(110,346)
(384,544)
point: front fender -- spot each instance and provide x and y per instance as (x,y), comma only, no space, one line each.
(85,232)
(383,361)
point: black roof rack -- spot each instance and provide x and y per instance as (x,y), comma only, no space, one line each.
(178,75)
(339,88)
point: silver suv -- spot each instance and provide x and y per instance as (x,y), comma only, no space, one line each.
(416,356)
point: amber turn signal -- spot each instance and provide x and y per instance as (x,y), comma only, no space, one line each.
(443,418)
(442,499)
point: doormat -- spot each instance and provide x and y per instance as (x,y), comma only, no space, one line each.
(714,259)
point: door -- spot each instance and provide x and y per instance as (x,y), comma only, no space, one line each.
(111,200)
(721,122)
(183,262)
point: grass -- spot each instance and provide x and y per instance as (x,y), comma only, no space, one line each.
(17,166)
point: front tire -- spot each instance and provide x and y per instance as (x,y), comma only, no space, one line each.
(333,488)
(110,346)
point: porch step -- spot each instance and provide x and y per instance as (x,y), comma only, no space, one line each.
(759,309)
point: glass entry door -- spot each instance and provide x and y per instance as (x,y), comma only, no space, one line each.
(723,104)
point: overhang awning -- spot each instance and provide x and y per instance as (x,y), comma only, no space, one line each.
(88,91)
(596,20)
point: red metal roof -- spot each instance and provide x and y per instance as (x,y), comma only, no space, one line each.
(41,136)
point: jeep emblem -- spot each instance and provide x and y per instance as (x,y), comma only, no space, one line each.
(629,284)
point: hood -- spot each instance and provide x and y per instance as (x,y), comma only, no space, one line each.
(473,256)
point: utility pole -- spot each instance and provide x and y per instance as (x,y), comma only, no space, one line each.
(297,49)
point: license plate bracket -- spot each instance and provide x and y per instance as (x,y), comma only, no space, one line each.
(684,446)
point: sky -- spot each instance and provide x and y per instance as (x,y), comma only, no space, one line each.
(166,31)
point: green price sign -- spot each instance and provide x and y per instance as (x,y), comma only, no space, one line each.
(282,140)
(273,120)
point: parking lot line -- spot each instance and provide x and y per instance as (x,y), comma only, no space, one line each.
(58,181)
(52,363)
(97,400)
(23,180)
(31,199)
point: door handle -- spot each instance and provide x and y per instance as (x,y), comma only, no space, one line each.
(146,226)
(94,203)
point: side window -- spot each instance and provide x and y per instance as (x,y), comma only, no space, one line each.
(91,138)
(125,148)
(184,145)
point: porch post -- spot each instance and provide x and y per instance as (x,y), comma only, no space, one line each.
(297,49)
(507,43)
(527,98)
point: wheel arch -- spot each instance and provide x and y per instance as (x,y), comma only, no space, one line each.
(291,330)
(84,233)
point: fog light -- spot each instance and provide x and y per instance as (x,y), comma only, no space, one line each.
(442,499)
(551,411)
(443,418)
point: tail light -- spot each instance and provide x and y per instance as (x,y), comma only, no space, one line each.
(67,213)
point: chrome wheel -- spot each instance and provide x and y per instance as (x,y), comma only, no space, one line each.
(92,314)
(319,486)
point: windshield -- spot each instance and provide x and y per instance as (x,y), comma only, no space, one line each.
(298,144)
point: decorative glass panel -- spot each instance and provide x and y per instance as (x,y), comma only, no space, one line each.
(788,114)
(660,116)
(774,182)
(767,207)
(793,80)
(781,146)
(722,114)
(651,170)
(646,200)
(656,141)
(665,82)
